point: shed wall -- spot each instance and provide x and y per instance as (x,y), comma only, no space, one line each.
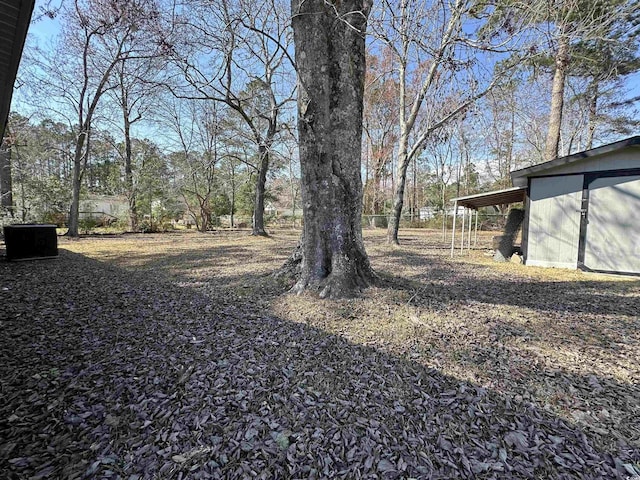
(554,221)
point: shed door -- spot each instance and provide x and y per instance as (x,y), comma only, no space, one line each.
(612,241)
(554,221)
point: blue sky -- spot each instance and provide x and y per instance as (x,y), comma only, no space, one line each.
(44,28)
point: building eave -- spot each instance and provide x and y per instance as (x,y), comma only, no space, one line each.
(15,16)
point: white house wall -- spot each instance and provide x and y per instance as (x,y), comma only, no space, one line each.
(554,221)
(97,205)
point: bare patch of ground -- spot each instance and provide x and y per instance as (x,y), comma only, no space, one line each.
(181,356)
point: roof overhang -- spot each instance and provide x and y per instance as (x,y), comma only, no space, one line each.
(519,177)
(497,197)
(15,16)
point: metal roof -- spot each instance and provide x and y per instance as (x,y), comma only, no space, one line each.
(518,177)
(497,197)
(15,16)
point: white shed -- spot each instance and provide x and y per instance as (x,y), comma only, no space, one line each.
(583,210)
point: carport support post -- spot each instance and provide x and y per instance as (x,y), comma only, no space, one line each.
(475,237)
(464,211)
(453,229)
(469,232)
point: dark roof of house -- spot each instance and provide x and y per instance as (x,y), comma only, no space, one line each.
(15,16)
(576,157)
(497,197)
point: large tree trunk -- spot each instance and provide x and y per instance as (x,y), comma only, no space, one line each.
(505,248)
(6,187)
(557,99)
(330,58)
(261,184)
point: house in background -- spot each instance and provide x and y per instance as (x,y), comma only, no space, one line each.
(104,208)
(581,211)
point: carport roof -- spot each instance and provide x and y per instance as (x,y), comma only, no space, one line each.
(497,197)
(15,16)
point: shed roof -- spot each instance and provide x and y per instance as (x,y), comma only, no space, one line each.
(15,16)
(497,197)
(518,177)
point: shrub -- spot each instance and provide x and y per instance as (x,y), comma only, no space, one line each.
(88,224)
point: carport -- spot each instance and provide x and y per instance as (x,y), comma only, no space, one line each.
(472,203)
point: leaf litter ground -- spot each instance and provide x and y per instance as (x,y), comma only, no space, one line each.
(180,356)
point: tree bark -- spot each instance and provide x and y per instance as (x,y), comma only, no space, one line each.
(205,214)
(592,97)
(261,183)
(398,195)
(376,202)
(557,99)
(128,171)
(6,188)
(76,183)
(505,248)
(330,59)
(265,157)
(128,155)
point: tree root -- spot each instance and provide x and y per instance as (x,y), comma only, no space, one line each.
(292,267)
(336,285)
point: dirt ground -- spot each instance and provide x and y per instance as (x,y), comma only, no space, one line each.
(526,372)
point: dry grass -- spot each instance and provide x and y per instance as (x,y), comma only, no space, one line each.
(565,341)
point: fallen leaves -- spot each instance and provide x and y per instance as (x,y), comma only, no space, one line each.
(117,373)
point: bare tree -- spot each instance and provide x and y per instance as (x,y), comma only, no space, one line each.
(133,97)
(97,35)
(442,67)
(500,129)
(380,128)
(6,187)
(196,127)
(224,50)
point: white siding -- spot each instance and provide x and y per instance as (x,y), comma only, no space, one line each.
(554,221)
(613,233)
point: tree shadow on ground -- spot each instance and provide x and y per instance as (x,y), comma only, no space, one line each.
(114,374)
(455,284)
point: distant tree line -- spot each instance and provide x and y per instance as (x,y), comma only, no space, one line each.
(166,184)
